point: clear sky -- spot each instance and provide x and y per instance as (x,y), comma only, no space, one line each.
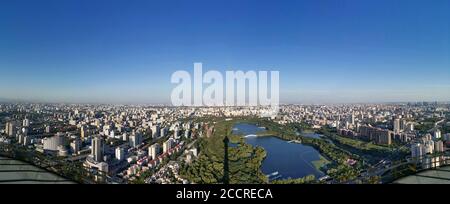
(115,51)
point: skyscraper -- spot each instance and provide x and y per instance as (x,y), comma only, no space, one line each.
(97,149)
(396,126)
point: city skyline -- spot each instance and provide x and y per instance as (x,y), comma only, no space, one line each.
(326,52)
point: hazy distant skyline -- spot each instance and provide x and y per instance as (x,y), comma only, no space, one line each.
(125,52)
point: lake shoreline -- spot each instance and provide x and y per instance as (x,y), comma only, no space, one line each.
(315,164)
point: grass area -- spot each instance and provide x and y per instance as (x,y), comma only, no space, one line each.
(321,162)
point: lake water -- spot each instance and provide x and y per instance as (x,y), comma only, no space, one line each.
(290,160)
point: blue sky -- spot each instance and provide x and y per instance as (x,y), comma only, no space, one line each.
(327,51)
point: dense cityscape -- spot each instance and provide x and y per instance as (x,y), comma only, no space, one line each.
(358,143)
(248,92)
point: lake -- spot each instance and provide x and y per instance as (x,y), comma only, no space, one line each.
(284,159)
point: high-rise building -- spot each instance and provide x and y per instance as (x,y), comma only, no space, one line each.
(378,135)
(75,146)
(168,145)
(417,150)
(62,151)
(353,119)
(403,123)
(97,149)
(52,143)
(155,131)
(10,129)
(154,150)
(120,153)
(163,132)
(25,131)
(83,132)
(437,134)
(26,140)
(429,147)
(20,138)
(410,126)
(135,139)
(187,133)
(397,126)
(7,128)
(47,129)
(176,132)
(438,146)
(26,122)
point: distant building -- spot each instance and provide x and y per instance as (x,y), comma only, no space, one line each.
(26,122)
(47,129)
(396,125)
(410,126)
(163,132)
(25,131)
(52,143)
(135,139)
(168,145)
(75,146)
(10,129)
(26,140)
(417,150)
(154,150)
(429,147)
(403,123)
(378,135)
(447,137)
(187,134)
(62,151)
(155,131)
(176,132)
(20,138)
(438,146)
(97,149)
(352,119)
(437,134)
(83,132)
(120,153)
